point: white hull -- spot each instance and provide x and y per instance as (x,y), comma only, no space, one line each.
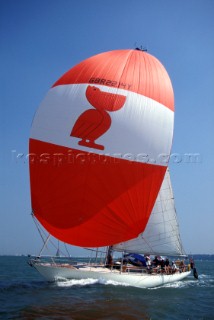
(56,272)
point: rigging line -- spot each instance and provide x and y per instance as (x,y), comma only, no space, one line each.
(44,236)
(38,228)
(56,247)
(66,249)
(95,249)
(45,244)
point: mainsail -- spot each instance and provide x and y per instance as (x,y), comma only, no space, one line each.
(161,236)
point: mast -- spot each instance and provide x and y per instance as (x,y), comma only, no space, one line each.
(109,258)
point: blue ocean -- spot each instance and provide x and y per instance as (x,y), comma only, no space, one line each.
(24,294)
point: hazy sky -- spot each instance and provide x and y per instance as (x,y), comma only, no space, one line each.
(41,40)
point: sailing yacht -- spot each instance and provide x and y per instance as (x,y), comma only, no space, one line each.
(98,148)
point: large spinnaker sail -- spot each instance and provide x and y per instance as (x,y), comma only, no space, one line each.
(161,236)
(97,148)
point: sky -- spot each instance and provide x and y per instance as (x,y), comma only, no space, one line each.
(41,40)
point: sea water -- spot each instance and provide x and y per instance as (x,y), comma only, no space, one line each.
(24,294)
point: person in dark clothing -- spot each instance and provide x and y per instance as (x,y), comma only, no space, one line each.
(155,261)
(192,263)
(162,264)
(167,268)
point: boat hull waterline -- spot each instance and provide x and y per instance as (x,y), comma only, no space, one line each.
(53,272)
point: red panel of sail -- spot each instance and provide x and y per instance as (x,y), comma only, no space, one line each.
(83,198)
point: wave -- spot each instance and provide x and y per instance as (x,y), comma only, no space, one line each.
(81,282)
(86,282)
(203,281)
